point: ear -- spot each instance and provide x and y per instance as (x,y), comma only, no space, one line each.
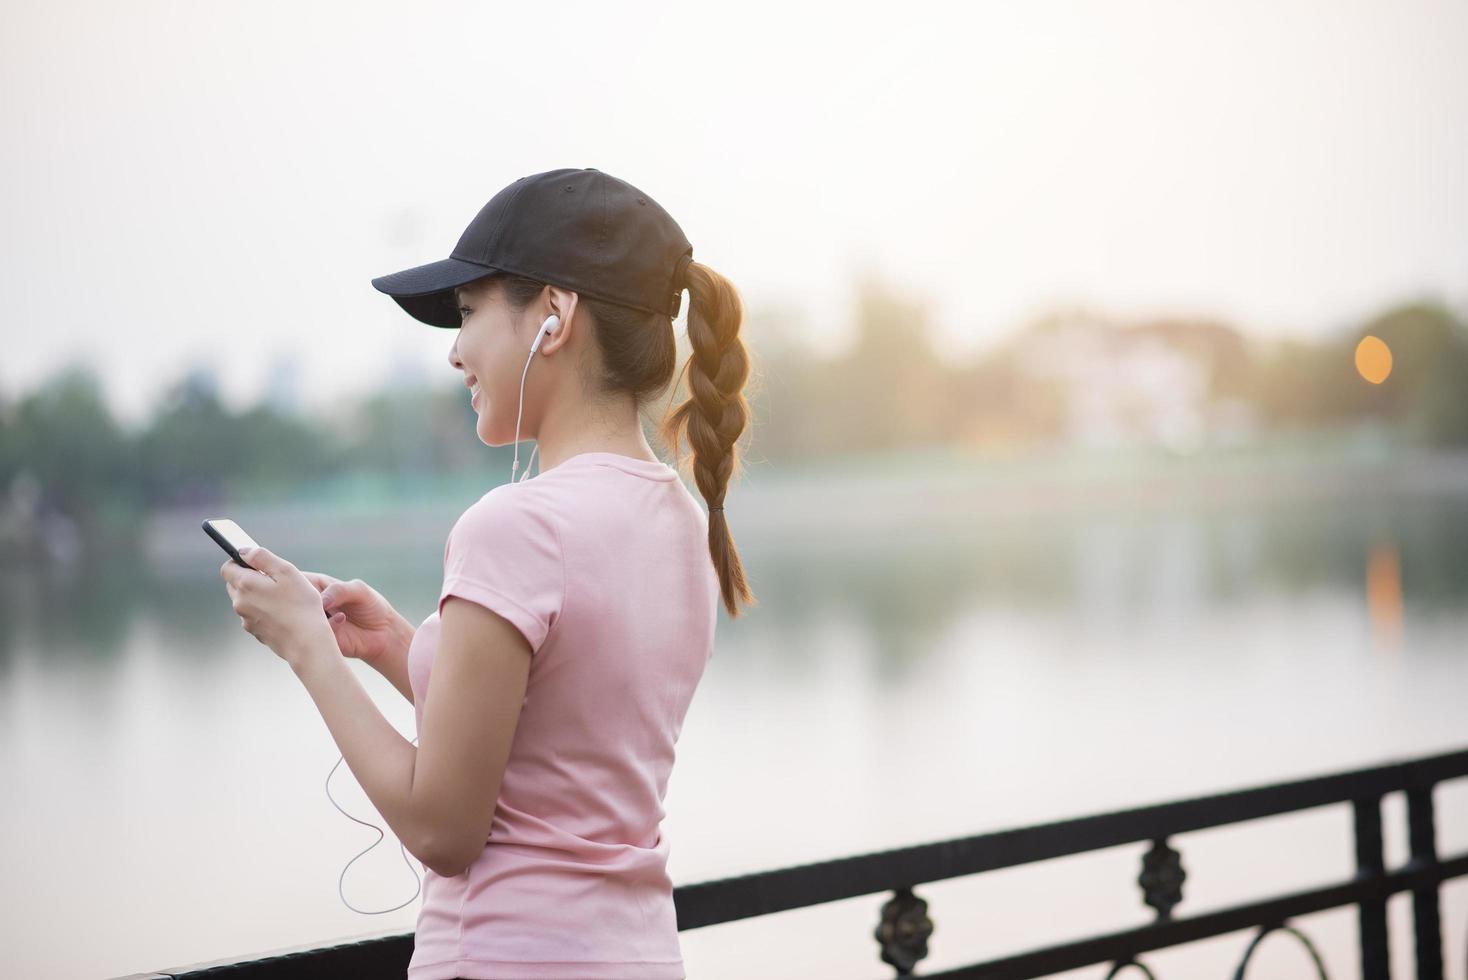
(563,303)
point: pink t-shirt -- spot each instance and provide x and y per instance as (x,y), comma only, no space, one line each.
(603,563)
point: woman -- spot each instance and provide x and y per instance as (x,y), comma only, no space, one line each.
(578,608)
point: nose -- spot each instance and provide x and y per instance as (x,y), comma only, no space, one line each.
(454,354)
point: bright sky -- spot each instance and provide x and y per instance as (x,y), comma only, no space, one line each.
(207,182)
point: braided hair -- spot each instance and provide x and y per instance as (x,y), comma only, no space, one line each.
(638,356)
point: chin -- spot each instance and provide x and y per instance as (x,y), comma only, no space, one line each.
(485,431)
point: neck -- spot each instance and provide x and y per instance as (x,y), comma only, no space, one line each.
(611,427)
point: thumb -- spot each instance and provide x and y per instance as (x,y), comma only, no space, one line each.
(260,558)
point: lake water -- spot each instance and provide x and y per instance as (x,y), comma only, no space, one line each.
(932,657)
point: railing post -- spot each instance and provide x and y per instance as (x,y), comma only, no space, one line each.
(1371,912)
(1426,919)
(1162,878)
(904,930)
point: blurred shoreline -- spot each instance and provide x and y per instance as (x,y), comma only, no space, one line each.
(886,495)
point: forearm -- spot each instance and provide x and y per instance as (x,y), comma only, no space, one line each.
(381,759)
(394,663)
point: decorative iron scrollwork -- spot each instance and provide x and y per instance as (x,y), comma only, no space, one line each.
(1123,964)
(1162,878)
(1266,930)
(904,930)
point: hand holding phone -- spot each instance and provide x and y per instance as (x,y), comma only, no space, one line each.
(366,625)
(230,536)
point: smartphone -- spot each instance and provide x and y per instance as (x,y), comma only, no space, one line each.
(230,536)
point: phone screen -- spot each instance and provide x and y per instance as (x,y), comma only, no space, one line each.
(230,536)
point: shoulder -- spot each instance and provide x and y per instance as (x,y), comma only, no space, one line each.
(507,513)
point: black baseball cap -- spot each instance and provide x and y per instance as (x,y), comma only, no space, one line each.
(582,230)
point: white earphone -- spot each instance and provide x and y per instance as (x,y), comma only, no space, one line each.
(380,835)
(551,324)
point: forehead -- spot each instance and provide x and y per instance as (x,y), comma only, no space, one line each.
(471,290)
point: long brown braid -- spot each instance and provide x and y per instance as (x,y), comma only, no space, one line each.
(638,357)
(715,414)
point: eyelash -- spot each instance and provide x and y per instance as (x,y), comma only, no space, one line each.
(464,311)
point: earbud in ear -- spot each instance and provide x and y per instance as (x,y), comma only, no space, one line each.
(551,324)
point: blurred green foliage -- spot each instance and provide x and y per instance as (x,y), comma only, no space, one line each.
(892,387)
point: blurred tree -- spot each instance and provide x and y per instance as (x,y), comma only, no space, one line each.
(1299,384)
(413,429)
(997,404)
(65,436)
(1427,390)
(278,449)
(889,391)
(188,450)
(193,448)
(9,441)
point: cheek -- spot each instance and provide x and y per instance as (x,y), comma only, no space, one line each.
(501,382)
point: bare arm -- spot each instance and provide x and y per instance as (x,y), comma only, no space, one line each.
(392,663)
(439,798)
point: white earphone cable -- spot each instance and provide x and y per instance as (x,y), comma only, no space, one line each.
(546,328)
(380,836)
(550,326)
(520,412)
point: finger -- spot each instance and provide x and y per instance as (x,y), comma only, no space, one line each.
(334,597)
(322,582)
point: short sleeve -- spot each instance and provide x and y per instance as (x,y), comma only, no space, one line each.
(506,555)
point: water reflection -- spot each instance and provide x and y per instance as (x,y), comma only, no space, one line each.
(902,592)
(1108,649)
(1111,570)
(1384,596)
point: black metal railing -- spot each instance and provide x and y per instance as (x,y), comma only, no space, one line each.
(905,925)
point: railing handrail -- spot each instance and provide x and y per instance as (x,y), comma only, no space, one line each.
(877,871)
(905,926)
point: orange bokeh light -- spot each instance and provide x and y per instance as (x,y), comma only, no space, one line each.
(1373,359)
(1384,595)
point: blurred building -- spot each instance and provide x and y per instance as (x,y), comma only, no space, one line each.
(1131,387)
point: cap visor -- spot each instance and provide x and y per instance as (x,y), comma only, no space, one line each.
(426,292)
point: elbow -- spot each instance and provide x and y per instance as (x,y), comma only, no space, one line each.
(452,861)
(444,870)
(451,858)
(441,862)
